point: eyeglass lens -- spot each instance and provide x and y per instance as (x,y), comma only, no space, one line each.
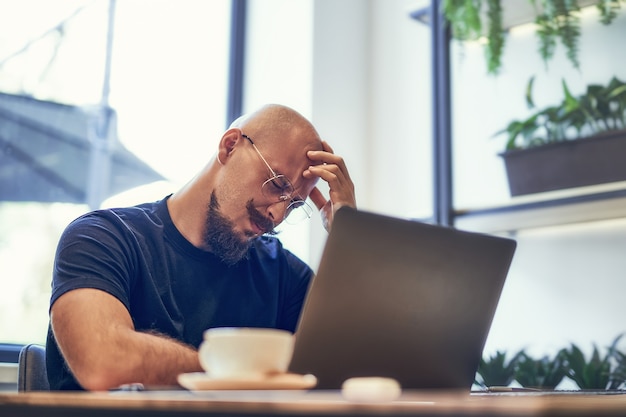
(280,188)
(297,211)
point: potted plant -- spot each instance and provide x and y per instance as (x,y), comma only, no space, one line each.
(619,372)
(556,20)
(543,373)
(497,370)
(577,142)
(600,372)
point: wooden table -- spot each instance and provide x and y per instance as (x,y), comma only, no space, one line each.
(314,403)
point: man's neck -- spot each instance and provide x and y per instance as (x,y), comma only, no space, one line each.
(188,208)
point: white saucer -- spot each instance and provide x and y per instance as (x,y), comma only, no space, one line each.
(201,381)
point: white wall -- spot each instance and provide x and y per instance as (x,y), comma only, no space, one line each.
(371,90)
(341,92)
(371,99)
(566,286)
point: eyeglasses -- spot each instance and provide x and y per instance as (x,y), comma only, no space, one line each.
(278,187)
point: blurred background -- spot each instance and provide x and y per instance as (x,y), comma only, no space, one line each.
(137,94)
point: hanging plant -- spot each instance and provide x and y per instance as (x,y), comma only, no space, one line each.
(495,36)
(556,20)
(559,19)
(464,17)
(608,10)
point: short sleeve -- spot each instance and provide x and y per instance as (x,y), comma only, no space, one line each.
(95,251)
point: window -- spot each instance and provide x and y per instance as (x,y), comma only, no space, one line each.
(168,81)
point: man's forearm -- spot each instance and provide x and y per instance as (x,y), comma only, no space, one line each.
(141,357)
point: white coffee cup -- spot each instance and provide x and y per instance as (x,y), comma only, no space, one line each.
(245,352)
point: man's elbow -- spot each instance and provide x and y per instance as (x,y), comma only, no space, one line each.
(99,377)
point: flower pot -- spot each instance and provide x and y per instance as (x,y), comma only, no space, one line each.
(574,163)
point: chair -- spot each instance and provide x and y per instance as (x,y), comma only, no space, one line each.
(32,374)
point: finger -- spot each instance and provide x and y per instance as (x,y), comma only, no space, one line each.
(328,173)
(317,198)
(326,147)
(326,155)
(329,162)
(341,191)
(332,174)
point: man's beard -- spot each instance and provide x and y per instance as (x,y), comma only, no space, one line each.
(220,235)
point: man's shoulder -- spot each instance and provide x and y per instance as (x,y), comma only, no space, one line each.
(144,216)
(140,212)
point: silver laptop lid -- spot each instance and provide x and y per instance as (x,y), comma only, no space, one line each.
(400,299)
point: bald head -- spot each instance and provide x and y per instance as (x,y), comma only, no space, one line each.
(276,123)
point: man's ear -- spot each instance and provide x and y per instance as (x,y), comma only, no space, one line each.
(227,144)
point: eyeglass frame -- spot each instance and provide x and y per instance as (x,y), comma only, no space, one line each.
(283,197)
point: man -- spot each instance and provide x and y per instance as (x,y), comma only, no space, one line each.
(134,288)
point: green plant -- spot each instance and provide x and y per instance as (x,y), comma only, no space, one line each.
(496,370)
(599,109)
(619,372)
(608,10)
(599,372)
(466,24)
(544,373)
(556,20)
(464,18)
(495,35)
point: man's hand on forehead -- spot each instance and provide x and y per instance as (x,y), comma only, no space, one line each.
(332,169)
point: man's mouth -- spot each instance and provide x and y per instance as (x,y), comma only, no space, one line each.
(259,223)
(257,229)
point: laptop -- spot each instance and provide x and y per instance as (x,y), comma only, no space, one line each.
(401,299)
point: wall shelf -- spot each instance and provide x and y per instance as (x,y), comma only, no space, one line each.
(585,204)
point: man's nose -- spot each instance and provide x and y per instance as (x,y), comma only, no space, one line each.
(277,211)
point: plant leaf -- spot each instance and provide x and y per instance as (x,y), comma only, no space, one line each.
(529,93)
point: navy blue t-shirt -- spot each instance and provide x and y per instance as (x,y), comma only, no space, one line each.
(167,284)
